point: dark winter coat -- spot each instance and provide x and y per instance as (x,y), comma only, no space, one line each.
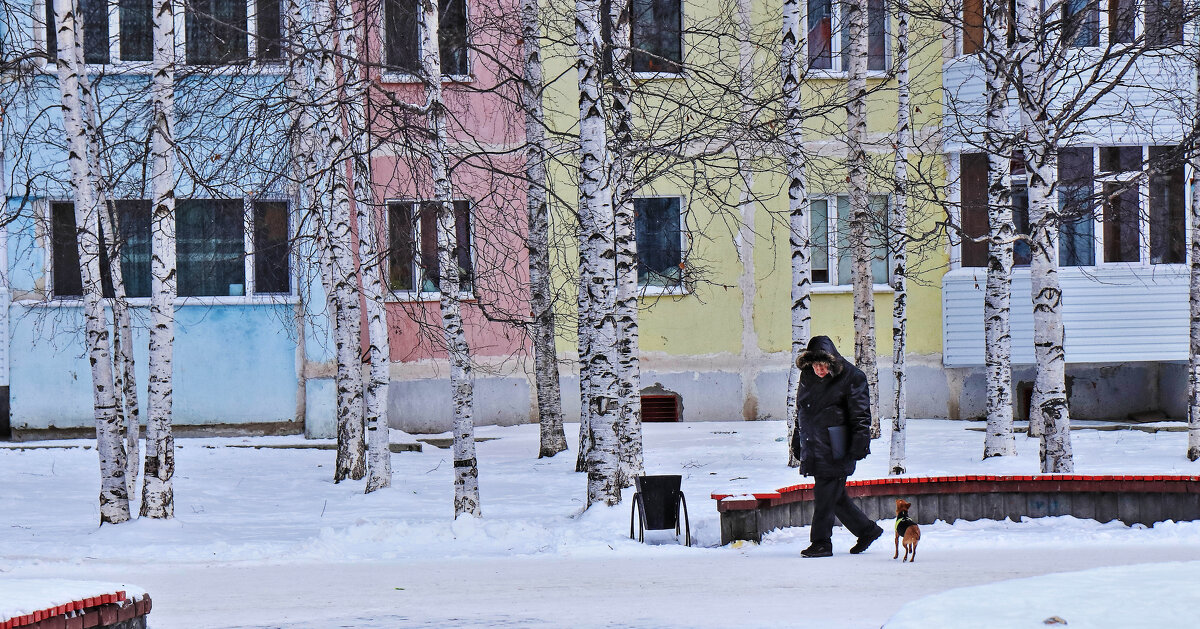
(841,398)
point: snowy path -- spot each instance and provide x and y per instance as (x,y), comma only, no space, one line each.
(708,589)
(263,537)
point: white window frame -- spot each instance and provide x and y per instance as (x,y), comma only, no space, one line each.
(831,248)
(249,296)
(389,75)
(685,286)
(419,295)
(116,64)
(837,71)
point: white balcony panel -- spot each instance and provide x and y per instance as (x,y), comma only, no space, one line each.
(1117,313)
(1148,105)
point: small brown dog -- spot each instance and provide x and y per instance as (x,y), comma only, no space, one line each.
(906,529)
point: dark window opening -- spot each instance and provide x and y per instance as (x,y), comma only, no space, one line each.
(271,254)
(973,193)
(412,247)
(1122,21)
(820,34)
(1077,244)
(1164,22)
(818,212)
(1122,239)
(216,31)
(269,31)
(133,223)
(1168,236)
(656,30)
(402,41)
(210,247)
(137,30)
(659,247)
(972,30)
(1081,23)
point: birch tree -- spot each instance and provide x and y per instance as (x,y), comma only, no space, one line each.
(466,468)
(332,146)
(552,438)
(370,262)
(629,422)
(899,227)
(75,90)
(1049,406)
(1193,447)
(1001,235)
(860,218)
(158,493)
(597,325)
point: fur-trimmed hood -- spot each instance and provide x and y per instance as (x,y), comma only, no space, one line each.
(820,350)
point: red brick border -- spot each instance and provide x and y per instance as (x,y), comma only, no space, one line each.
(85,613)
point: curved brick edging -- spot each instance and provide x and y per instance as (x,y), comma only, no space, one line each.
(1130,499)
(105,611)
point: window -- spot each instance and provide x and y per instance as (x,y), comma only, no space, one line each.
(133,223)
(1077,234)
(1119,170)
(1122,21)
(658,228)
(1081,23)
(1164,22)
(95,30)
(973,183)
(657,36)
(136,30)
(216,31)
(271,238)
(824,48)
(831,258)
(412,245)
(972,29)
(1168,235)
(402,42)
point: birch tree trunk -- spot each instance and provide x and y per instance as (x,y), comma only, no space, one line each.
(1193,448)
(899,228)
(466,468)
(379,455)
(1050,393)
(597,253)
(999,439)
(74,91)
(860,217)
(351,446)
(799,238)
(545,357)
(629,423)
(158,492)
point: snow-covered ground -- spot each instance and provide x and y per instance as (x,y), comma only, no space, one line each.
(263,537)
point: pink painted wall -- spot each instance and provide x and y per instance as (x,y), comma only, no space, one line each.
(486,123)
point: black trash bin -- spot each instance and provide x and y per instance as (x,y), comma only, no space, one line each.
(657,505)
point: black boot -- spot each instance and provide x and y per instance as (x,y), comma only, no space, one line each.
(866,540)
(818,549)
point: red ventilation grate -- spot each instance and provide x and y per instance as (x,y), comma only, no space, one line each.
(660,408)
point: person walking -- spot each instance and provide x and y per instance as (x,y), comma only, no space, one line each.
(833,433)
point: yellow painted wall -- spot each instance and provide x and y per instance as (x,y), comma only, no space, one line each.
(709,320)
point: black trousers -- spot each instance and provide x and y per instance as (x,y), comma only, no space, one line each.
(829,500)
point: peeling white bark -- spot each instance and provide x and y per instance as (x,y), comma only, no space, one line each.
(370,261)
(1193,448)
(629,423)
(860,217)
(597,269)
(158,500)
(999,439)
(800,234)
(552,439)
(1049,408)
(899,228)
(74,91)
(466,467)
(332,146)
